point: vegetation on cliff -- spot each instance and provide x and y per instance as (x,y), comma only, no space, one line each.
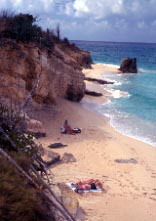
(24,28)
(31,57)
(19,197)
(36,67)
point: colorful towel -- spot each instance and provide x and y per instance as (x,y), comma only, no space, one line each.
(73,187)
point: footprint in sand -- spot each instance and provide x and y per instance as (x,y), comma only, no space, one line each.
(151,198)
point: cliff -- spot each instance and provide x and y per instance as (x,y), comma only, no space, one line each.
(37,67)
(27,69)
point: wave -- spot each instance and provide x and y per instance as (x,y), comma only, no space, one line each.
(130,131)
(125,123)
(140,70)
(115,82)
(143,70)
(129,125)
(118,93)
(109,65)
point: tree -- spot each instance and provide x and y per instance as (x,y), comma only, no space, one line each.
(58,31)
(66,41)
(20,27)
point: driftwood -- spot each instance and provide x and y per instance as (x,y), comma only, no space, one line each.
(32,92)
(13,162)
(55,201)
(50,195)
(35,86)
(57,145)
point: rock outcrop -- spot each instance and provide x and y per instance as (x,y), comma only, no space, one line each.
(57,145)
(51,158)
(99,81)
(35,127)
(29,71)
(84,59)
(128,65)
(68,158)
(93,93)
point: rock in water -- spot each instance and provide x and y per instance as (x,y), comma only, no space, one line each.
(128,65)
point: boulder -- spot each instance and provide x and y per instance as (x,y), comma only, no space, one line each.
(73,94)
(69,199)
(131,160)
(128,65)
(51,158)
(68,158)
(57,145)
(85,59)
(35,127)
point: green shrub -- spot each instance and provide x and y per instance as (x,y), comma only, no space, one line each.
(24,28)
(19,199)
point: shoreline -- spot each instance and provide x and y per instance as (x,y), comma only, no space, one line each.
(98,71)
(107,121)
(127,186)
(130,192)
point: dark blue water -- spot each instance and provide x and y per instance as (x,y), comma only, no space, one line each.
(113,52)
(132,104)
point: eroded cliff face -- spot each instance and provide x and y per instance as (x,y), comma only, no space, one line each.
(27,70)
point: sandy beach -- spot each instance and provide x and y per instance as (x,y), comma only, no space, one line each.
(130,188)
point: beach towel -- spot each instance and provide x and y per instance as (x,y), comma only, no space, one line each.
(73,188)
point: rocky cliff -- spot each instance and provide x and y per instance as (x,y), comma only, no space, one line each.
(26,70)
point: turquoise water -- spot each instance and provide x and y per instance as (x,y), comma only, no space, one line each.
(132,105)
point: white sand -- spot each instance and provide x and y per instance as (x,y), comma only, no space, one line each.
(130,188)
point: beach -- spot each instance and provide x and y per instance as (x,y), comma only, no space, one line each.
(125,166)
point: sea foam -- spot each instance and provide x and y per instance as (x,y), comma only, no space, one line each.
(117,93)
(109,65)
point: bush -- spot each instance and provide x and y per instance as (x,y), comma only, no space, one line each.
(19,199)
(66,41)
(23,27)
(47,39)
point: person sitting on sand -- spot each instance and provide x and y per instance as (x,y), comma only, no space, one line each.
(66,129)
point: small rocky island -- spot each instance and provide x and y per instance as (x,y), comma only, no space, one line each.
(128,65)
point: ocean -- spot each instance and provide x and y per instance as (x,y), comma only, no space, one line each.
(131,108)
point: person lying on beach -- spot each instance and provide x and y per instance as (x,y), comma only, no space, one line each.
(90,184)
(66,129)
